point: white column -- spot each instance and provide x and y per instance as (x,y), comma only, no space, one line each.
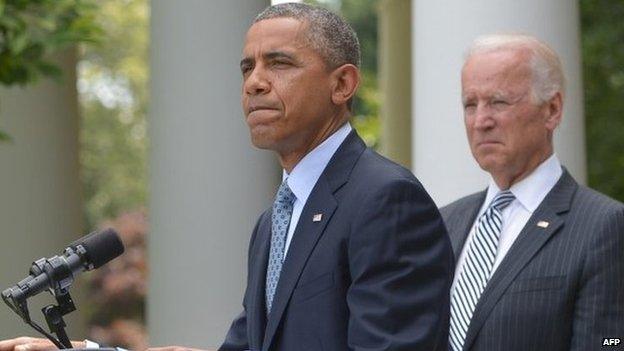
(40,207)
(441,31)
(395,80)
(208,184)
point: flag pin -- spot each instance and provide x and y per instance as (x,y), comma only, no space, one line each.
(542,224)
(317,217)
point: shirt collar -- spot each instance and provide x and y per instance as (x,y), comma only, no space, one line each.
(306,173)
(531,190)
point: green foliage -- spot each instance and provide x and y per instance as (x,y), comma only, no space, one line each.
(362,15)
(4,136)
(32,29)
(113,92)
(367,105)
(603,75)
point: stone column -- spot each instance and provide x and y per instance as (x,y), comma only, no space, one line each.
(208,184)
(395,68)
(40,205)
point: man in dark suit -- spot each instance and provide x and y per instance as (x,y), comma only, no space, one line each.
(363,262)
(540,262)
(353,254)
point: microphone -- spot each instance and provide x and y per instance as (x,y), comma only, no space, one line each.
(57,273)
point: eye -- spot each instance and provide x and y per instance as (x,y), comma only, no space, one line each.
(281,64)
(245,69)
(469,106)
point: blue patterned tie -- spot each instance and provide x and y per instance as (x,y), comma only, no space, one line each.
(477,268)
(280,219)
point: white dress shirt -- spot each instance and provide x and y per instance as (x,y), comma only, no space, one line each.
(306,173)
(529,193)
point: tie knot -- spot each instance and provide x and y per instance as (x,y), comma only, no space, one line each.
(285,196)
(502,200)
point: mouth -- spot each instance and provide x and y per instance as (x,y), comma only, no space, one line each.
(258,115)
(254,108)
(489,143)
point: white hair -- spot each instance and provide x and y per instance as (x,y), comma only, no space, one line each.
(547,74)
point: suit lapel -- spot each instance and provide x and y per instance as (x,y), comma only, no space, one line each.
(459,234)
(257,314)
(531,239)
(308,232)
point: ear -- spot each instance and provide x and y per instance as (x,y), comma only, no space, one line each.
(554,111)
(345,81)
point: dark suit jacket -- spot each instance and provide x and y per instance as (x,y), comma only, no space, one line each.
(559,287)
(373,274)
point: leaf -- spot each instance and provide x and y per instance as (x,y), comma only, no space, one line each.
(30,30)
(19,43)
(33,52)
(49,70)
(5,137)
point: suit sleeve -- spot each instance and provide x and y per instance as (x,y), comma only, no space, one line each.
(599,308)
(236,338)
(401,266)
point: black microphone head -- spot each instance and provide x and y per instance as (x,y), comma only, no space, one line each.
(101,246)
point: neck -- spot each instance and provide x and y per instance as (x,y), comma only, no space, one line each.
(505,180)
(289,160)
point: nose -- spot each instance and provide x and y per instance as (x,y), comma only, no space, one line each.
(257,82)
(483,117)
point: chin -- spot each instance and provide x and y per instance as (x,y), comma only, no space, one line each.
(261,136)
(265,141)
(260,143)
(490,163)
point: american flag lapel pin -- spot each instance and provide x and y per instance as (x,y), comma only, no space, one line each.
(542,224)
(317,217)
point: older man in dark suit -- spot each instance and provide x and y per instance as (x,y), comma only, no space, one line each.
(540,263)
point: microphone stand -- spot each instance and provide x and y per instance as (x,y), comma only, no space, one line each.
(56,275)
(54,317)
(52,313)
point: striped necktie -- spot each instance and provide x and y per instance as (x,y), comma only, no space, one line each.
(477,268)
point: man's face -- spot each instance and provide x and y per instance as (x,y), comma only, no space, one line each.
(286,93)
(509,134)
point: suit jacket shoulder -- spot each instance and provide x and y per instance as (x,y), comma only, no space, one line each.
(459,207)
(587,199)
